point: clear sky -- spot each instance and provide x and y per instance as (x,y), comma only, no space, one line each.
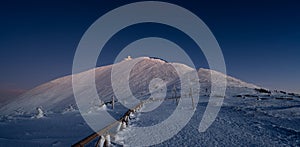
(260,39)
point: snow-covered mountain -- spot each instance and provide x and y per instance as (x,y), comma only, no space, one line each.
(57,95)
(249,115)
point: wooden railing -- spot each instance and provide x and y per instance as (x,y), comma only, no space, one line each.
(107,130)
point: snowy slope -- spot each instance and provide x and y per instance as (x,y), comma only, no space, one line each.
(242,121)
(204,77)
(247,117)
(57,95)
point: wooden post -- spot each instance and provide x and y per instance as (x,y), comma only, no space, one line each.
(191,95)
(100,142)
(113,102)
(124,125)
(174,94)
(107,142)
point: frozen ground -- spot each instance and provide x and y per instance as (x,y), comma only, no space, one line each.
(54,129)
(252,119)
(243,121)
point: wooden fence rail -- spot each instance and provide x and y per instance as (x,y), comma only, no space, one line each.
(106,130)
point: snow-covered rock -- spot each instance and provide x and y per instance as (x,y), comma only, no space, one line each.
(40,113)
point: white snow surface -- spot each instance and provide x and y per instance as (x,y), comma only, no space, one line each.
(247,117)
(242,121)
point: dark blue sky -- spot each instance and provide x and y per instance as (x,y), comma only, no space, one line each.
(260,40)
